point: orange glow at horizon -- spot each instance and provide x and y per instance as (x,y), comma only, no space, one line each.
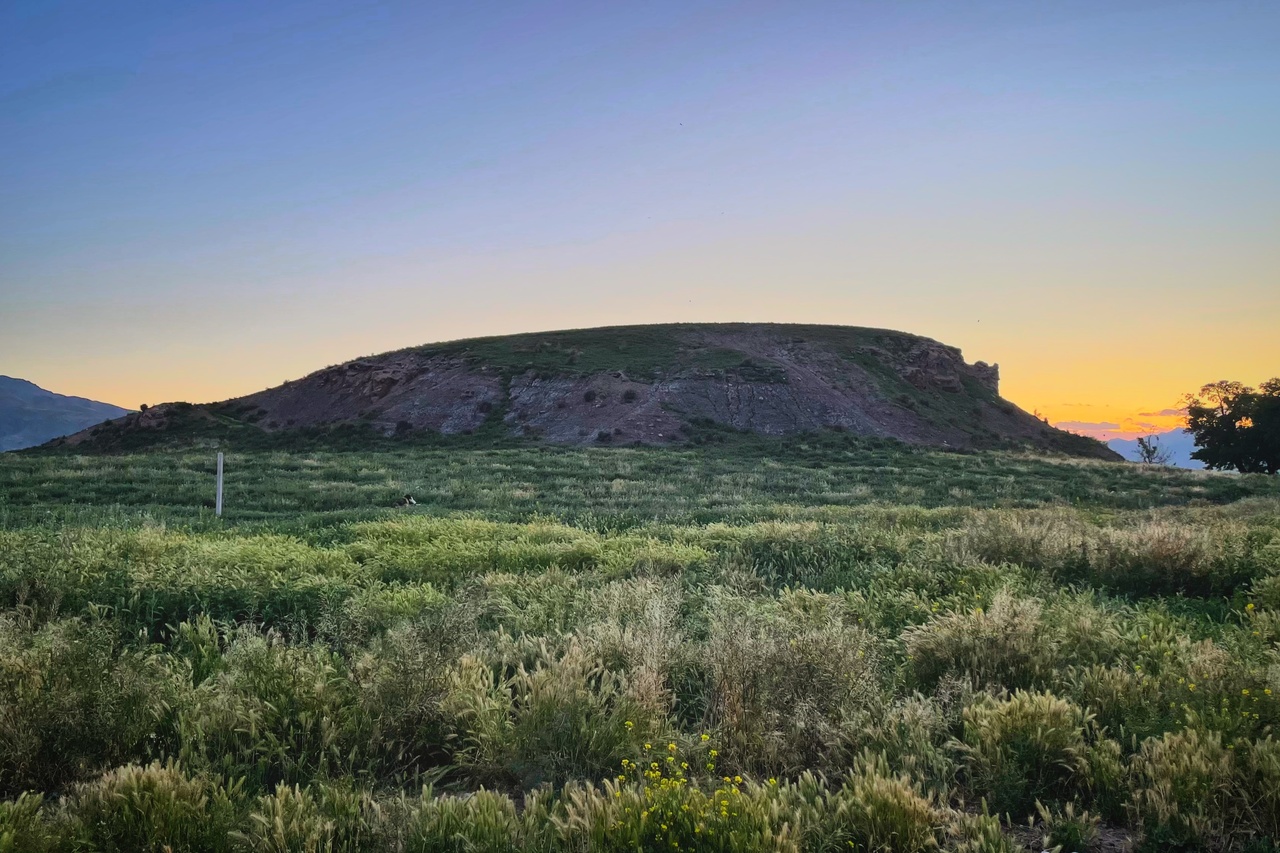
(1088,197)
(1089,357)
(1105,424)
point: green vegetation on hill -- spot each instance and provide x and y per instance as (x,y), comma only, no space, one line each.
(831,644)
(642,352)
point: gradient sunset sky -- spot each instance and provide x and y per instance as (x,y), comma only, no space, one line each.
(202,199)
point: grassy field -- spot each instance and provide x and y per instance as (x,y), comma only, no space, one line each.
(828,644)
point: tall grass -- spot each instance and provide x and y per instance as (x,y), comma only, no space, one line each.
(569,650)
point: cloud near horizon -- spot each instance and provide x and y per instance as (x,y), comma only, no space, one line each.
(1115,420)
(1085,426)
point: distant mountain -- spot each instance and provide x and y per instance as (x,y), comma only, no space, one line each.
(632,384)
(30,415)
(1180,444)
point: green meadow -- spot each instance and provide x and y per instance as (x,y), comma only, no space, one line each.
(748,645)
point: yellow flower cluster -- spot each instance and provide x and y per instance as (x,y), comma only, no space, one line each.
(671,805)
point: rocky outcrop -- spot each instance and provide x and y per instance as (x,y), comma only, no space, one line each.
(986,375)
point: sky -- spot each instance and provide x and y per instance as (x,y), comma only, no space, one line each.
(202,199)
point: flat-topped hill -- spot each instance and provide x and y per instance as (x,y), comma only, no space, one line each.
(626,384)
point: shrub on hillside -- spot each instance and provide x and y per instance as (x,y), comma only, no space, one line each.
(1182,786)
(327,818)
(1151,557)
(1068,828)
(1164,557)
(634,627)
(817,556)
(620,816)
(1267,592)
(547,604)
(1258,784)
(481,821)
(791,685)
(23,828)
(982,833)
(563,717)
(372,610)
(1084,628)
(1193,790)
(913,737)
(403,678)
(1055,541)
(1035,747)
(154,808)
(447,551)
(1125,701)
(872,809)
(73,701)
(1004,645)
(278,712)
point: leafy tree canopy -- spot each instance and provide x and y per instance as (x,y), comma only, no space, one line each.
(1237,427)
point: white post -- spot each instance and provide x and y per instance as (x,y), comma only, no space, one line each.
(218,503)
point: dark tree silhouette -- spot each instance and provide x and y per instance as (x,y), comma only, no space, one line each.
(1151,453)
(1237,427)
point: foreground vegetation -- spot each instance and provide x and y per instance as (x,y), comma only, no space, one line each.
(829,646)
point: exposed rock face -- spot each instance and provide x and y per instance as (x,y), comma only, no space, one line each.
(442,394)
(648,383)
(931,365)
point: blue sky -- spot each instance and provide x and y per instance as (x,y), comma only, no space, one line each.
(202,199)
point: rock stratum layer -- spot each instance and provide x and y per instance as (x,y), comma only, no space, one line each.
(645,384)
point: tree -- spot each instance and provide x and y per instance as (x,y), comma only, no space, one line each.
(1151,453)
(1237,427)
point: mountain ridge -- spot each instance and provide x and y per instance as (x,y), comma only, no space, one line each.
(31,415)
(1178,442)
(643,384)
